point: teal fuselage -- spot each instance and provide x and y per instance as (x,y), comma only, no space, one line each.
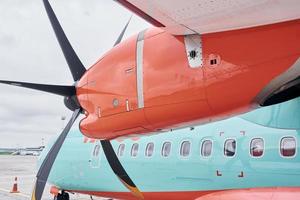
(78,169)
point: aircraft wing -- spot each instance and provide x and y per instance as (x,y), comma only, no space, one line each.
(205,16)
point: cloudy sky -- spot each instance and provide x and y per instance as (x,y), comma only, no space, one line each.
(29,52)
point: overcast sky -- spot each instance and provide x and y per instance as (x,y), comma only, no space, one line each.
(29,52)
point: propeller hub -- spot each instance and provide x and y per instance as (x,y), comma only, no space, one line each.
(71,102)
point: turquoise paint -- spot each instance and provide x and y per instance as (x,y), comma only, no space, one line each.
(72,169)
(285,115)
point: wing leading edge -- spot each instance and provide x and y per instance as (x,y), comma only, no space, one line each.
(205,16)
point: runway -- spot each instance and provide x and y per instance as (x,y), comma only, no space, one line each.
(24,168)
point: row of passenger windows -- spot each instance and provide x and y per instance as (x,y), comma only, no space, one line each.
(287,148)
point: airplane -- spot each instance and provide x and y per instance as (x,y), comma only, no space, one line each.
(203,62)
(252,156)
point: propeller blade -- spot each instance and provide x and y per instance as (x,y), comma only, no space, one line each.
(118,169)
(44,171)
(76,67)
(54,89)
(122,33)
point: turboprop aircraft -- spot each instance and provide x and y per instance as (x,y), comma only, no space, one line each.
(204,61)
(253,156)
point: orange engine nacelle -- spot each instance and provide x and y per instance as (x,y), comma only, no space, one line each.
(156,81)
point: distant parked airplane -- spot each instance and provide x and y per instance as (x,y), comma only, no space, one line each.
(35,151)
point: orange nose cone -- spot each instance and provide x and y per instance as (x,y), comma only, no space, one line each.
(82,91)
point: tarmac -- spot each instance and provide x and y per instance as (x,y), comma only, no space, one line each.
(24,168)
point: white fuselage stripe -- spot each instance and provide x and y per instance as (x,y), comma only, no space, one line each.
(139,69)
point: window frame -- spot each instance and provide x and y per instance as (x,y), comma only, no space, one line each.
(96,152)
(235,148)
(296,145)
(118,151)
(147,156)
(201,146)
(190,148)
(162,147)
(138,146)
(263,147)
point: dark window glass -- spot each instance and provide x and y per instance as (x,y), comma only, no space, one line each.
(149,149)
(206,148)
(121,149)
(229,147)
(185,148)
(288,146)
(257,147)
(134,149)
(166,149)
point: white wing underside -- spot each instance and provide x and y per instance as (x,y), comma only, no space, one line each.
(182,17)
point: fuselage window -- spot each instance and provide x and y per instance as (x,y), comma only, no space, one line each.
(166,149)
(185,148)
(96,150)
(257,147)
(134,149)
(121,149)
(206,148)
(149,149)
(288,146)
(229,147)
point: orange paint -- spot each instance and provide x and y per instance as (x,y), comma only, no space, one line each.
(85,139)
(176,95)
(54,191)
(276,193)
(149,195)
